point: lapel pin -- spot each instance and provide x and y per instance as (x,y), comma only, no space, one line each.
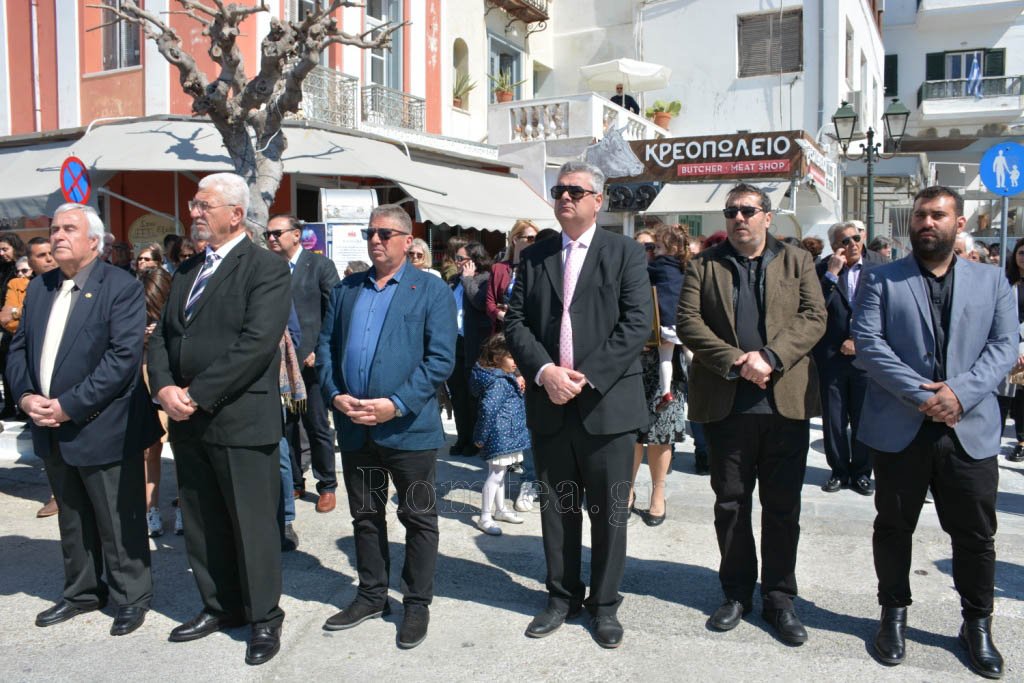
(413,286)
(88,295)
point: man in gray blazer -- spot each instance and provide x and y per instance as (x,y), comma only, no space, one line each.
(930,415)
(313,278)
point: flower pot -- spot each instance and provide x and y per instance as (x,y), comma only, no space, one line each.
(662,119)
(457,102)
(503,95)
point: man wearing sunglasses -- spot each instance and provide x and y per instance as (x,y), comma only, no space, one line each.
(313,278)
(842,383)
(386,345)
(751,310)
(577,320)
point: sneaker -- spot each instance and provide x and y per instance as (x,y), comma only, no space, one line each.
(527,494)
(154,522)
(488,527)
(179,527)
(507,516)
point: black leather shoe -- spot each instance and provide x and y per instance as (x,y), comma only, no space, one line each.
(728,615)
(202,625)
(787,625)
(127,620)
(655,520)
(548,621)
(356,613)
(976,635)
(863,485)
(607,631)
(832,485)
(1018,453)
(413,630)
(289,539)
(700,463)
(63,611)
(263,645)
(890,642)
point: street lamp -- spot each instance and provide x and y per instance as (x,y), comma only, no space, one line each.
(845,123)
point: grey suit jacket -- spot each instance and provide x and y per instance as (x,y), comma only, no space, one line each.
(895,339)
(312,281)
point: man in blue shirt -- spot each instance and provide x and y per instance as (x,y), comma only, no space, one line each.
(387,344)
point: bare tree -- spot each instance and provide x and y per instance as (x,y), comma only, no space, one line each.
(249,112)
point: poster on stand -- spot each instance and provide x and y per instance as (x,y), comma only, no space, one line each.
(314,238)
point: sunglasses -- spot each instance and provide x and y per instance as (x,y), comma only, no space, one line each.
(24,271)
(460,259)
(851,238)
(648,246)
(383,233)
(186,254)
(527,238)
(415,254)
(747,211)
(576,192)
(276,234)
(144,258)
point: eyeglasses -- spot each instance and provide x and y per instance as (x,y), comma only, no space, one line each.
(460,259)
(383,233)
(276,234)
(144,258)
(415,254)
(851,238)
(649,246)
(527,238)
(203,207)
(576,192)
(747,211)
(24,271)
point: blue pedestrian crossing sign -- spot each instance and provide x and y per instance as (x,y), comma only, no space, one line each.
(1002,169)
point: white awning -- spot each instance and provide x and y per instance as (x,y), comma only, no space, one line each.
(709,197)
(444,194)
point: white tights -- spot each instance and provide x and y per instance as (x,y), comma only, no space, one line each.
(493,492)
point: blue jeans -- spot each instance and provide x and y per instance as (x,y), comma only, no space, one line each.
(286,510)
(699,444)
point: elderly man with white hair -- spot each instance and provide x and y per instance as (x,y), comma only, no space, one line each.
(213,366)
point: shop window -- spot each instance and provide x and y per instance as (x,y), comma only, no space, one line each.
(505,58)
(460,72)
(121,42)
(770,43)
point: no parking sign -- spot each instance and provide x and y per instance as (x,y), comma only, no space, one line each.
(74,181)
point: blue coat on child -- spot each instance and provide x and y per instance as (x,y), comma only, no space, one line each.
(501,421)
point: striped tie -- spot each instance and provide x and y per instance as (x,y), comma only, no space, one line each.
(200,284)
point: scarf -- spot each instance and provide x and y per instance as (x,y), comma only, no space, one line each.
(293,390)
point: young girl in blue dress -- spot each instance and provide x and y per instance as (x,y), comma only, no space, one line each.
(500,433)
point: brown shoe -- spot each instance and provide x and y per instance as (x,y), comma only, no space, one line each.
(48,510)
(326,502)
(298,493)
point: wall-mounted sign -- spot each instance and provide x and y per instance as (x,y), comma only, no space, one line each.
(150,228)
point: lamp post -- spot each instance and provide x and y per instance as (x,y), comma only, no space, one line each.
(845,123)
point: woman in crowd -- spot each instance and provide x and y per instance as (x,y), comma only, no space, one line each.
(11,249)
(458,383)
(181,251)
(156,285)
(150,256)
(449,266)
(474,273)
(419,256)
(503,274)
(1011,396)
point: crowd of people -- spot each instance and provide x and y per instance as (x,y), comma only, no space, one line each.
(567,358)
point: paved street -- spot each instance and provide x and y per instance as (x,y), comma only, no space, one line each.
(488,588)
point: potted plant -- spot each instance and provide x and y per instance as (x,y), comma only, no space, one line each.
(504,87)
(662,113)
(460,91)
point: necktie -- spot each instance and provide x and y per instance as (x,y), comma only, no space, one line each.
(569,274)
(291,266)
(54,333)
(200,284)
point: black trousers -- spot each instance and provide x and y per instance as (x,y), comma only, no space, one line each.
(965,500)
(771,450)
(463,402)
(576,468)
(321,437)
(366,472)
(1014,407)
(842,394)
(102,520)
(228,499)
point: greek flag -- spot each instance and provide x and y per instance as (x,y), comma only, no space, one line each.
(974,79)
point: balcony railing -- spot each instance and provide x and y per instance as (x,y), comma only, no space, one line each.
(993,86)
(527,11)
(387,107)
(587,115)
(330,97)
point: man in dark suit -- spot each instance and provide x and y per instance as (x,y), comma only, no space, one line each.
(387,345)
(214,367)
(751,311)
(313,278)
(842,383)
(75,366)
(577,321)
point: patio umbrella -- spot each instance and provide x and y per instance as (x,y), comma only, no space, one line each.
(635,76)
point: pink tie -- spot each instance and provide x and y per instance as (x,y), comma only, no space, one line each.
(569,274)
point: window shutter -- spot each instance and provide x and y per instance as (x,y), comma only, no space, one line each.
(891,76)
(768,44)
(935,66)
(291,10)
(995,62)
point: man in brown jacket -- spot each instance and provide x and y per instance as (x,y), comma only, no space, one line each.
(751,310)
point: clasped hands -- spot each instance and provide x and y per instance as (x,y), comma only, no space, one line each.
(943,406)
(754,368)
(562,384)
(45,412)
(176,402)
(365,411)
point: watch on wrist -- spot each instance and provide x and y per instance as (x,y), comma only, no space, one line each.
(15,313)
(398,411)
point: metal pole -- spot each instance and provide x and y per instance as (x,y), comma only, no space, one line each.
(1003,232)
(871,186)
